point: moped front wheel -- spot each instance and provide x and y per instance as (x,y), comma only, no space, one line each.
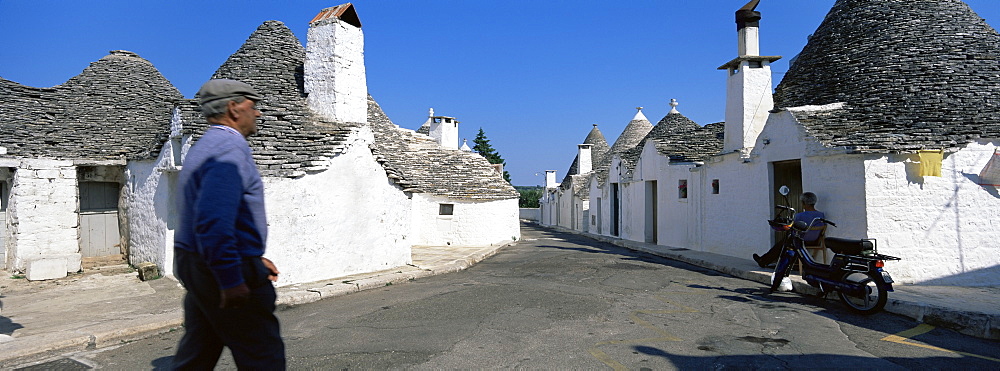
(871,297)
(781,271)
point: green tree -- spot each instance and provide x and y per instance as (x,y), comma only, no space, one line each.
(529,196)
(483,148)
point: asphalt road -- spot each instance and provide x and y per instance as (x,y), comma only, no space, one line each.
(561,301)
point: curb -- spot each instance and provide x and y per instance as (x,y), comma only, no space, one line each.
(100,335)
(90,337)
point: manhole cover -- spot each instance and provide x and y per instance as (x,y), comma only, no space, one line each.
(64,364)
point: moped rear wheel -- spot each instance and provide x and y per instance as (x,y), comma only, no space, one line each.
(872,298)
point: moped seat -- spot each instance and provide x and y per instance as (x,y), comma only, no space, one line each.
(848,246)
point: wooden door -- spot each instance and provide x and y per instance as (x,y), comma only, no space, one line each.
(99,233)
(787,173)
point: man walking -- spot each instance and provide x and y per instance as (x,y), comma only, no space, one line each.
(220,241)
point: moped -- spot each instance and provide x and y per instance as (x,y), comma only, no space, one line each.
(856,272)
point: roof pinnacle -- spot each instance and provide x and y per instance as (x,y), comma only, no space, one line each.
(673,106)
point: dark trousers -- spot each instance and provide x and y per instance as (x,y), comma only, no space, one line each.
(772,255)
(251,331)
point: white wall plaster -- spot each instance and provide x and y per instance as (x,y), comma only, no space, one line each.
(945,228)
(335,71)
(42,213)
(476,223)
(345,220)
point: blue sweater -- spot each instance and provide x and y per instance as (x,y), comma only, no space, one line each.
(807,217)
(222,204)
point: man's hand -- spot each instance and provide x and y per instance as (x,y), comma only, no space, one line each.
(273,275)
(234,296)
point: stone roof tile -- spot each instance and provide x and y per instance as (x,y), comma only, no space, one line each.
(598,150)
(912,74)
(418,164)
(291,141)
(118,108)
(632,136)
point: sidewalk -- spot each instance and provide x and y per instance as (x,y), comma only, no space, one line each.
(112,306)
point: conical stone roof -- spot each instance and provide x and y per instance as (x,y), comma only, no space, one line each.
(911,74)
(598,150)
(680,139)
(118,108)
(632,136)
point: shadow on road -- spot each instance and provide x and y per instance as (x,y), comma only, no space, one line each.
(758,294)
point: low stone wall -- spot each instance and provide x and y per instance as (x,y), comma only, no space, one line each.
(530,214)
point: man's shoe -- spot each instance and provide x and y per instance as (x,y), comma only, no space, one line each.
(760,262)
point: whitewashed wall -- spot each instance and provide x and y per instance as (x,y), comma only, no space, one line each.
(733,222)
(600,206)
(547,207)
(564,216)
(632,211)
(42,216)
(678,220)
(345,220)
(533,214)
(151,207)
(945,228)
(481,223)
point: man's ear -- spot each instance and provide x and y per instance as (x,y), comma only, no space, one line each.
(231,109)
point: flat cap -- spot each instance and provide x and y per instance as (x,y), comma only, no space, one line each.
(216,89)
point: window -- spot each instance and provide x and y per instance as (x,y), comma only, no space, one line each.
(715,186)
(682,188)
(446,209)
(176,146)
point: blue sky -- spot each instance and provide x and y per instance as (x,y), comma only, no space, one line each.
(533,74)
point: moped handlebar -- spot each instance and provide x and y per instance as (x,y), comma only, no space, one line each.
(784,207)
(828,222)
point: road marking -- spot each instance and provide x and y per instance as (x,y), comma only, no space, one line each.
(634,316)
(904,338)
(607,360)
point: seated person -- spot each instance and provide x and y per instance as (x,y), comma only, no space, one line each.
(809,204)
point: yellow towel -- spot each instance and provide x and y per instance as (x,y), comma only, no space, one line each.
(930,162)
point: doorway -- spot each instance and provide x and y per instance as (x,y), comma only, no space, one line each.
(596,216)
(99,229)
(787,173)
(651,211)
(615,209)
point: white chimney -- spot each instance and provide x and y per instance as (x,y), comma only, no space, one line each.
(550,179)
(335,65)
(748,88)
(584,163)
(444,130)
